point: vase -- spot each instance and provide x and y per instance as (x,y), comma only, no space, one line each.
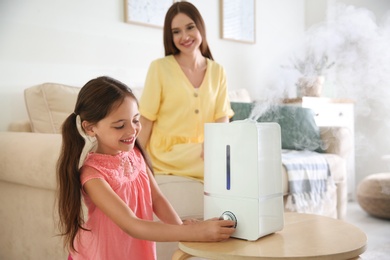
(310,86)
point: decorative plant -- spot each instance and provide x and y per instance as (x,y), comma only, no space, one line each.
(311,64)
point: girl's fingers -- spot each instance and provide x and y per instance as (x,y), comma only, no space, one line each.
(228,223)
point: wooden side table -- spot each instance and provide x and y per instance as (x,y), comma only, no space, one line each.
(304,236)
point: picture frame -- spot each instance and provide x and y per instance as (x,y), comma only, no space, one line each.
(238,20)
(146,12)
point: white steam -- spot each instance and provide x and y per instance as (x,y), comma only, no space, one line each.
(359,46)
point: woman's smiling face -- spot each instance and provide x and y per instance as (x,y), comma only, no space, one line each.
(186,35)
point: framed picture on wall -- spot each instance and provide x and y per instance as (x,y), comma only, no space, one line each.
(147,12)
(238,20)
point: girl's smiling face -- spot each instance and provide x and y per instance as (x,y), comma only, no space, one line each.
(118,130)
(186,35)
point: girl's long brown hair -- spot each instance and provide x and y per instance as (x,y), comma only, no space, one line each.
(191,11)
(94,102)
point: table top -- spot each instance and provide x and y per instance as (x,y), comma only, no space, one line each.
(304,236)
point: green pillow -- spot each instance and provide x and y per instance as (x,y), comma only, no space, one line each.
(242,110)
(299,130)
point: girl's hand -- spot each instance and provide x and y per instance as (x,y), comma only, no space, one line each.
(214,230)
(190,221)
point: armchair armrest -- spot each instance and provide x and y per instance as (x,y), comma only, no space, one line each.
(29,159)
(337,140)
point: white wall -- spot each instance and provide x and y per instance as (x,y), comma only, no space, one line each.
(73,41)
(68,42)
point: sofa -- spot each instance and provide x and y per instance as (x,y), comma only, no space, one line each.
(28,155)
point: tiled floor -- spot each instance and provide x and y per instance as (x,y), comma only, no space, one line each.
(377,231)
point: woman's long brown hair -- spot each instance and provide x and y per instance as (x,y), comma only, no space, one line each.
(95,101)
(191,11)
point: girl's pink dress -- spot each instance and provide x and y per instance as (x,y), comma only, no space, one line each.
(127,176)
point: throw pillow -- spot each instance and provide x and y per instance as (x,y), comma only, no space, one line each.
(48,105)
(242,110)
(298,128)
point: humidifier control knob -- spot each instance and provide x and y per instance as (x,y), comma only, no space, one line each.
(227,215)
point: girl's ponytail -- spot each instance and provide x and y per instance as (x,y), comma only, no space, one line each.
(71,217)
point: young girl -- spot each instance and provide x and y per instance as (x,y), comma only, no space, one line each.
(116,182)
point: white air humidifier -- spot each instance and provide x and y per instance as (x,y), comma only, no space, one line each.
(243,176)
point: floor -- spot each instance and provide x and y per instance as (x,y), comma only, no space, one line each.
(377,231)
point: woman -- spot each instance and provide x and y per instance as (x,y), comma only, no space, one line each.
(183,91)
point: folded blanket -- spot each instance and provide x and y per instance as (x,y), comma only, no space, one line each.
(311,187)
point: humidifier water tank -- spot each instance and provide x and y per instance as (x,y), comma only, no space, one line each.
(243,176)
